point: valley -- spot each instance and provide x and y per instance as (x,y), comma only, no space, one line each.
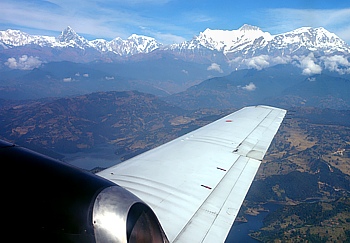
(97,103)
(309,158)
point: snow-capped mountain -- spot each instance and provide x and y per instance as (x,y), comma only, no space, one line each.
(250,47)
(14,38)
(226,41)
(249,41)
(69,37)
(135,44)
(306,38)
(247,46)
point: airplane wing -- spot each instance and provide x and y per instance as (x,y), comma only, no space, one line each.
(196,183)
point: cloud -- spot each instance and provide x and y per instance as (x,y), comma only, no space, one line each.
(144,2)
(215,67)
(76,14)
(258,62)
(96,18)
(67,80)
(197,17)
(23,63)
(337,63)
(280,60)
(344,33)
(249,87)
(11,63)
(309,66)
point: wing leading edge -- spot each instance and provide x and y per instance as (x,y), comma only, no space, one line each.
(196,183)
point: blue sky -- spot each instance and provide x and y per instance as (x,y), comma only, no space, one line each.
(171,21)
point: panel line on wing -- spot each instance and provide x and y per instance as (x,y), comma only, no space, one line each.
(224,220)
(228,195)
(252,131)
(230,171)
(129,180)
(209,141)
(256,143)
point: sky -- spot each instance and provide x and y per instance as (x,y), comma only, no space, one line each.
(171,21)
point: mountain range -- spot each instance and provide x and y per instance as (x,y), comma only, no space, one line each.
(247,46)
(70,39)
(307,66)
(249,41)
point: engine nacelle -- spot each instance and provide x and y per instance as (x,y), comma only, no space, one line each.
(119,216)
(46,200)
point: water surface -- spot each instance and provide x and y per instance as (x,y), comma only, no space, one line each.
(100,156)
(240,231)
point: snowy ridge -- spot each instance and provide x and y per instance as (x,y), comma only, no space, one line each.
(69,38)
(310,38)
(231,45)
(13,38)
(135,44)
(250,41)
(226,41)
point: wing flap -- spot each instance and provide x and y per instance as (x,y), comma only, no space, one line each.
(257,142)
(196,184)
(213,220)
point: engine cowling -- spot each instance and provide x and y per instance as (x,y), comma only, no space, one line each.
(46,200)
(119,216)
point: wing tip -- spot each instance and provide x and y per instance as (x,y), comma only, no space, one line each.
(271,107)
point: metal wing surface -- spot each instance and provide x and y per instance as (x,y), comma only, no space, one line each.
(196,183)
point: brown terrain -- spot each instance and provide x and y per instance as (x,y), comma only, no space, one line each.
(309,158)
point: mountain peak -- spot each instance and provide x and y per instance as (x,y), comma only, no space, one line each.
(69,29)
(314,39)
(143,37)
(230,40)
(319,30)
(247,27)
(70,37)
(67,34)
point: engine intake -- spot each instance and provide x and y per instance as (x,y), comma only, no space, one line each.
(119,216)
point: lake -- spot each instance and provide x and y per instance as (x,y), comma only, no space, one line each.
(101,156)
(240,231)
